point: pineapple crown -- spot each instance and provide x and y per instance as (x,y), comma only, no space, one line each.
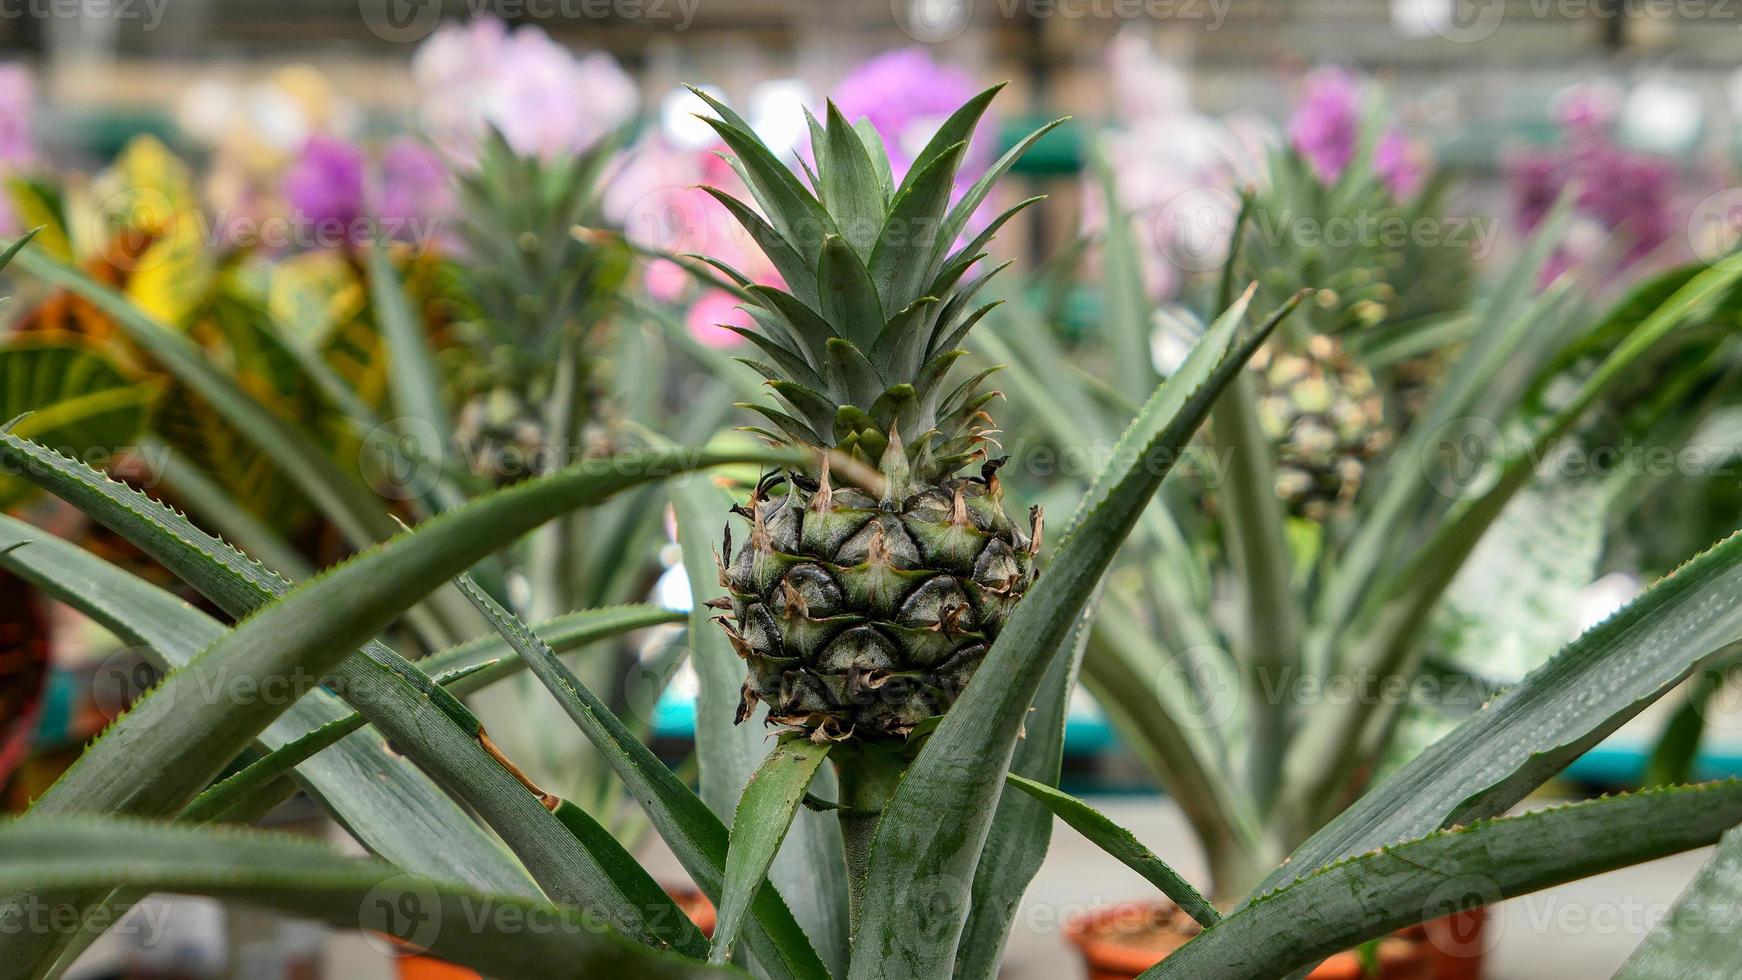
(878,299)
(534,276)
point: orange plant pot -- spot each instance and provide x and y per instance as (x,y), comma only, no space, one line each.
(416,966)
(1118,942)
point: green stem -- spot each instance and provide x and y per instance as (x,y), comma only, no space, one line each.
(868,775)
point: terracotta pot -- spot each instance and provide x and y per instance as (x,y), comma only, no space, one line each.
(1118,942)
(417,967)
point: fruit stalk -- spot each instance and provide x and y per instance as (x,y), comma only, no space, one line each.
(868,773)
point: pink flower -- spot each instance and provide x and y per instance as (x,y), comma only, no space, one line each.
(324,186)
(907,95)
(1326,125)
(1326,130)
(1401,164)
(1177,171)
(712,309)
(415,182)
(656,198)
(1618,192)
(543,99)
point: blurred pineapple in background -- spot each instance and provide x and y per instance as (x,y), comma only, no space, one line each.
(1325,415)
(529,129)
(1332,394)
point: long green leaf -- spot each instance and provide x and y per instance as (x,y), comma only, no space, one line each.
(185,730)
(961,769)
(339,495)
(416,385)
(1122,845)
(1701,936)
(503,935)
(1021,830)
(765,813)
(383,799)
(462,670)
(1127,317)
(207,499)
(851,184)
(1267,628)
(1372,895)
(1536,728)
(697,838)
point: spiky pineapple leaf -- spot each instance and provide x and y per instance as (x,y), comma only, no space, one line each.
(461,669)
(1016,843)
(962,766)
(958,128)
(181,736)
(915,220)
(794,268)
(849,299)
(1121,844)
(963,211)
(853,380)
(853,189)
(1698,938)
(765,813)
(879,154)
(394,810)
(1537,727)
(694,834)
(484,930)
(214,505)
(1373,894)
(790,208)
(802,322)
(340,495)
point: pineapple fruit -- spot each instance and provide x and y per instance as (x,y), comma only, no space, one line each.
(1325,415)
(863,611)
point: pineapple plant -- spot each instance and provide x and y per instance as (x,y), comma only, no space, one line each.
(454,828)
(532,291)
(863,611)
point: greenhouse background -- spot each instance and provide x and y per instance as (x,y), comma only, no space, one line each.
(238,174)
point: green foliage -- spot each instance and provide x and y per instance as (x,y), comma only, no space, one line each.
(931,834)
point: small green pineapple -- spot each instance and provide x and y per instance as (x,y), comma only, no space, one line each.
(534,294)
(863,614)
(1325,417)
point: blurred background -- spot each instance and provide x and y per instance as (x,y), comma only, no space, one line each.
(216,158)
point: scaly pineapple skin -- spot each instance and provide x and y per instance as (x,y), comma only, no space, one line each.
(861,619)
(1325,416)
